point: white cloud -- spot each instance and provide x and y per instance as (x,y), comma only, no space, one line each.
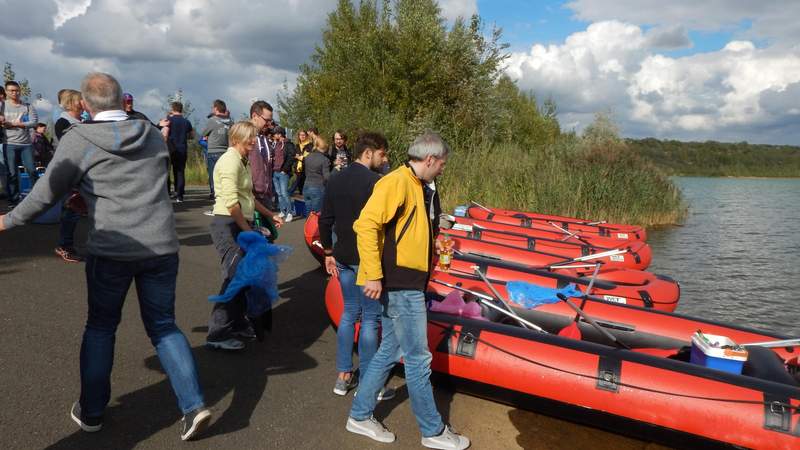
(775,20)
(453,9)
(67,9)
(234,50)
(730,94)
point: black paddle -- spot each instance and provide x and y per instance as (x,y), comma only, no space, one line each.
(592,321)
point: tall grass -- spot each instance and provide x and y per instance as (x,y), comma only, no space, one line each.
(196,173)
(567,178)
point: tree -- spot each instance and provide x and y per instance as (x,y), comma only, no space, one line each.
(396,66)
(179,96)
(10,75)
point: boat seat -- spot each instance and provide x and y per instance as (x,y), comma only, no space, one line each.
(765,364)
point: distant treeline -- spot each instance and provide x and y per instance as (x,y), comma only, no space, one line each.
(719,159)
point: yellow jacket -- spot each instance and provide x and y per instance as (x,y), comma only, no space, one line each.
(233,184)
(394,234)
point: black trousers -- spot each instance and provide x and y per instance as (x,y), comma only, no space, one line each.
(229,316)
(178,170)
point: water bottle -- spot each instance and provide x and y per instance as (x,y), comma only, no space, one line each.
(445,254)
(256,220)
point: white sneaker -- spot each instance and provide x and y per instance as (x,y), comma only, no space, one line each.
(288,218)
(209,213)
(448,440)
(370,428)
(281,215)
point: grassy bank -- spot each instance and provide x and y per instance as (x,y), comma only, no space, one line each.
(567,178)
(720,159)
(196,173)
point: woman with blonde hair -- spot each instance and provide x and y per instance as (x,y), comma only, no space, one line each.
(318,169)
(74,205)
(234,212)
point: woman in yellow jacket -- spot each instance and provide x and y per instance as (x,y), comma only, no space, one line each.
(304,145)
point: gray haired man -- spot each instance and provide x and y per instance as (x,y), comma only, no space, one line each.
(395,240)
(119,167)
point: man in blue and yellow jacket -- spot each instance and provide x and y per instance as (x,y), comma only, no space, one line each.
(395,239)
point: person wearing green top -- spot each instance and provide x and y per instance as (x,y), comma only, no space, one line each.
(234,212)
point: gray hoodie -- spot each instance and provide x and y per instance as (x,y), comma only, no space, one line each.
(217,132)
(120,169)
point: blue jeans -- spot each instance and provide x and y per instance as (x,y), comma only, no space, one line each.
(25,154)
(313,197)
(405,335)
(281,182)
(108,282)
(211,161)
(3,169)
(356,305)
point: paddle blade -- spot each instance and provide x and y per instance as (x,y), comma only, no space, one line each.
(571,331)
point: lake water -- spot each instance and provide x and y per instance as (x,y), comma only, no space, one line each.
(737,257)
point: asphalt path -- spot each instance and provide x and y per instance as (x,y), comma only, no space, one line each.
(275,394)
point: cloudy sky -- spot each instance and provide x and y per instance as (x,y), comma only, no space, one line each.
(685,69)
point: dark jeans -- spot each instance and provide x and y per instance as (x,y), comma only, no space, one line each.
(107,283)
(313,196)
(211,161)
(299,181)
(66,229)
(178,169)
(3,168)
(24,154)
(229,316)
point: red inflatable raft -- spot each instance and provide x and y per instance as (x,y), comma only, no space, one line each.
(636,256)
(650,390)
(543,236)
(311,234)
(582,227)
(628,287)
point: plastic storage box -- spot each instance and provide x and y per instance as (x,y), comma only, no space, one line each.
(717,352)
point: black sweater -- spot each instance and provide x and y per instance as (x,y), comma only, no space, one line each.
(346,194)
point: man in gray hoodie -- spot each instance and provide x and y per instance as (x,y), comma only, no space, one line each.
(119,166)
(216,133)
(20,118)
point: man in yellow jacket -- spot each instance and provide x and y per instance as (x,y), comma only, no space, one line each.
(395,239)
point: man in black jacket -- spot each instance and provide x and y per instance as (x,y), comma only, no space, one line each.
(345,196)
(282,161)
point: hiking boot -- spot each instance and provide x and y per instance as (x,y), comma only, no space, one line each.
(386,393)
(447,440)
(194,422)
(68,254)
(230,344)
(288,218)
(370,428)
(342,387)
(87,424)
